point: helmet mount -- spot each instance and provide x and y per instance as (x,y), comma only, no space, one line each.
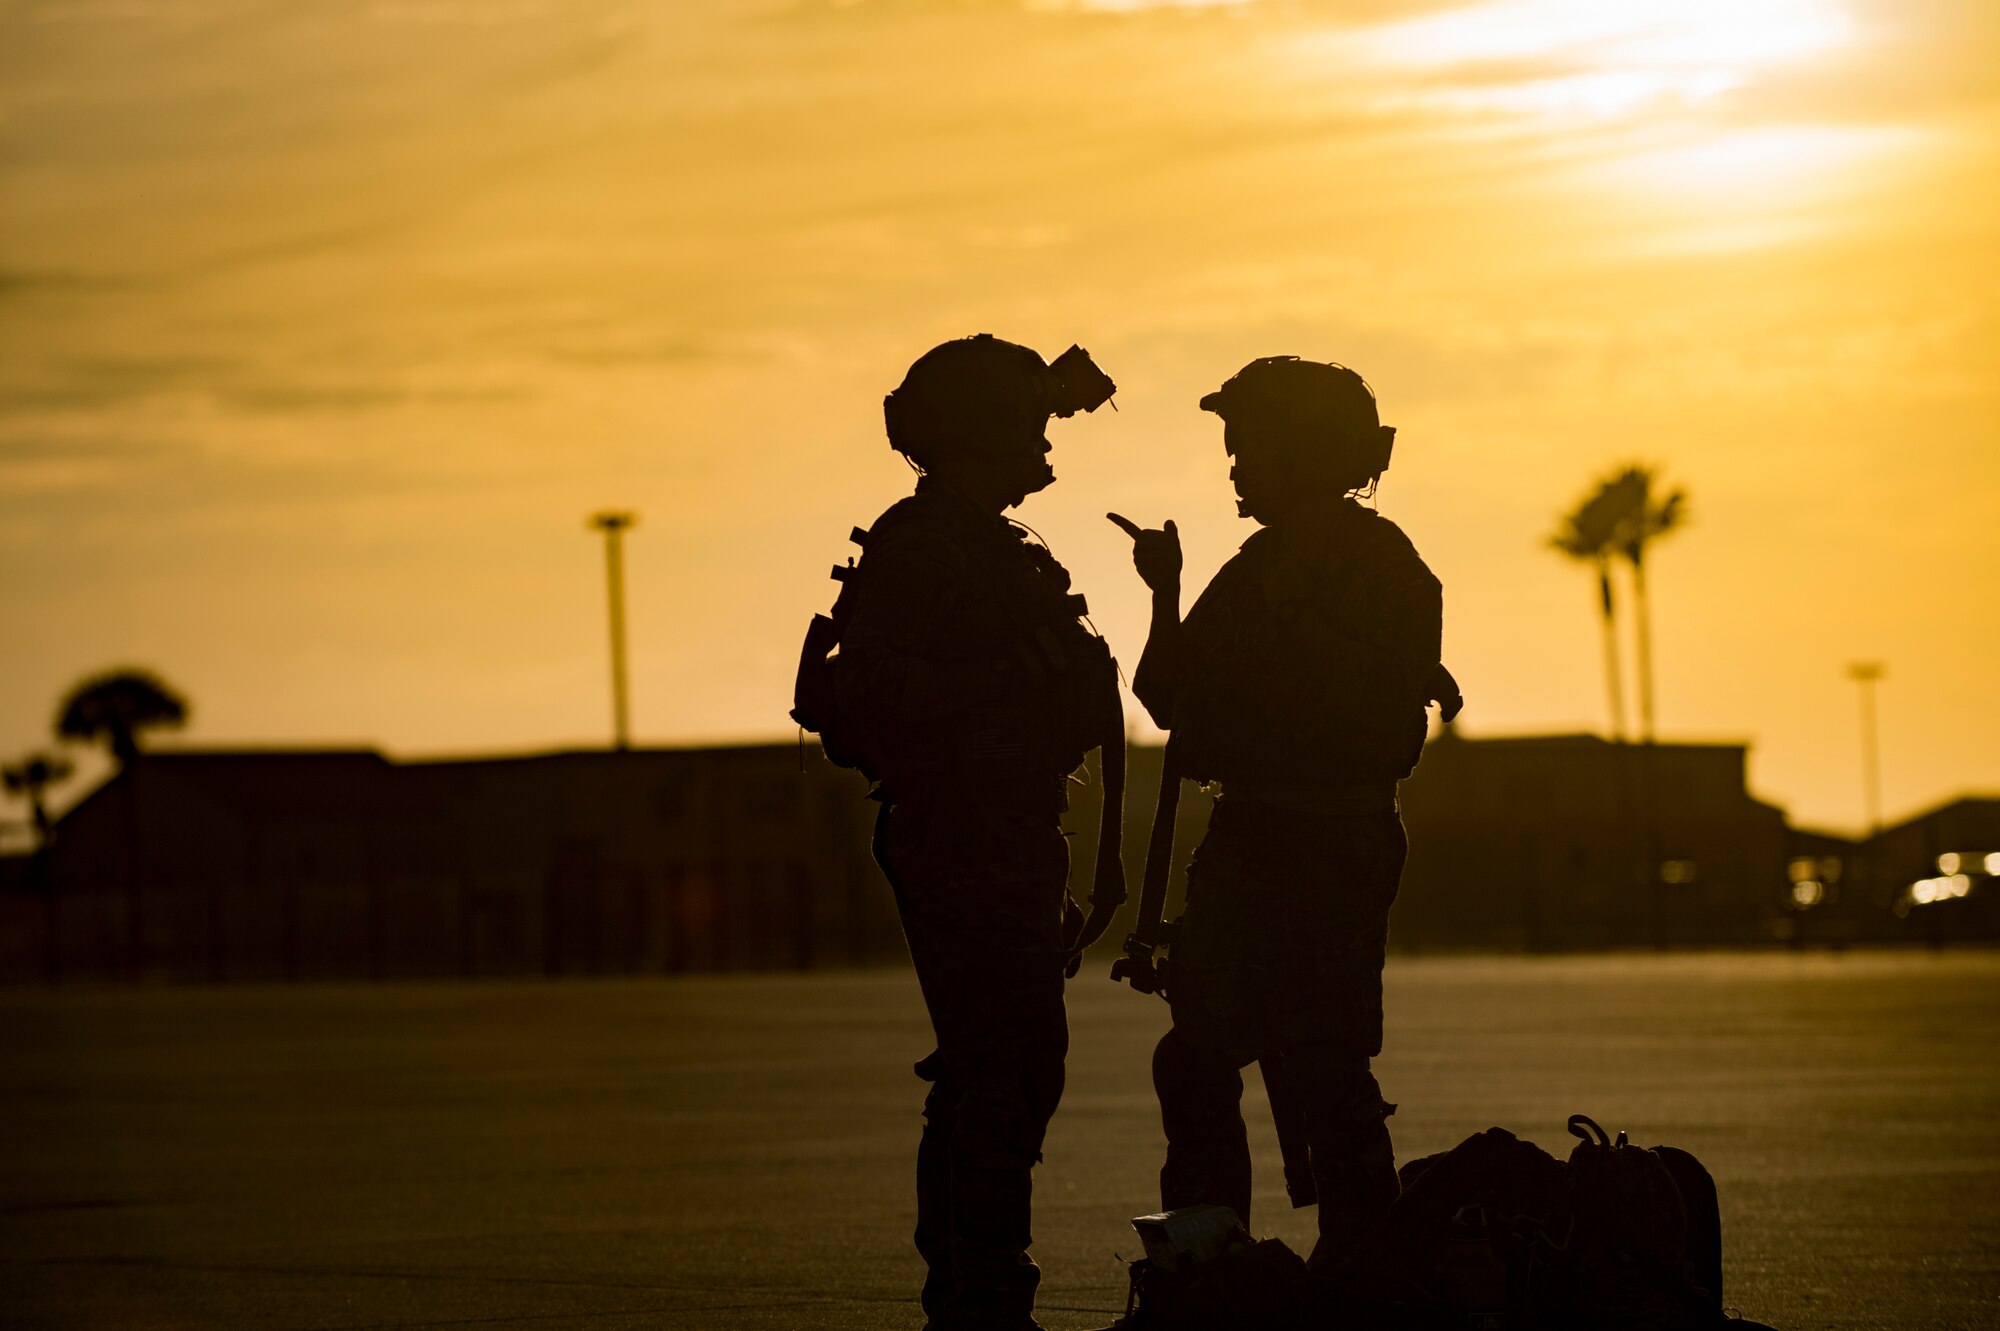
(985,394)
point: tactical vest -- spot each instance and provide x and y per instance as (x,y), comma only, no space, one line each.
(1066,680)
(1251,710)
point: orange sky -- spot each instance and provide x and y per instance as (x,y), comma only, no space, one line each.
(323,328)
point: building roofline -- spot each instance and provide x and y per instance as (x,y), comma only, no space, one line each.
(1935,810)
(262,751)
(547,755)
(1579,739)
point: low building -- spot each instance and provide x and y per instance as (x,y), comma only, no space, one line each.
(1571,841)
(1826,899)
(1545,842)
(268,865)
(1938,874)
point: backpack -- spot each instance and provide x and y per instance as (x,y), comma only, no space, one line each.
(815,691)
(1461,1247)
(1648,1234)
(1496,1232)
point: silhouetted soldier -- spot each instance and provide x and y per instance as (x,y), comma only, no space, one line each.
(1298,682)
(968,688)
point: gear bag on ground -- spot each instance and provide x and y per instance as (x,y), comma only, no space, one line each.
(1495,1234)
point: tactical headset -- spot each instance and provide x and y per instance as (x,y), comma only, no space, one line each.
(1310,401)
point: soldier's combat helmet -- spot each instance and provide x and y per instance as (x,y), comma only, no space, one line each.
(1325,408)
(982,391)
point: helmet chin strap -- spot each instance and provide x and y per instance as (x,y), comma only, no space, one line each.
(989,477)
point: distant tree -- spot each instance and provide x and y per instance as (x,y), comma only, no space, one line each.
(1619,519)
(1648,517)
(1592,533)
(30,778)
(112,708)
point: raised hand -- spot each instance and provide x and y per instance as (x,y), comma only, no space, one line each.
(1156,552)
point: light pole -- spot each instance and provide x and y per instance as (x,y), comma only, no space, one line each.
(614,525)
(1866,674)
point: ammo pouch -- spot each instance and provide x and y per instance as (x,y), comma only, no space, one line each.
(816,699)
(812,690)
(816,690)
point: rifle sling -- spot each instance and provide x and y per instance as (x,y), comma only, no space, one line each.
(1149,927)
(1111,818)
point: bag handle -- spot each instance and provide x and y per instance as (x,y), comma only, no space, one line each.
(1583,1126)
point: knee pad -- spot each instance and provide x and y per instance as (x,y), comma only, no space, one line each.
(1339,1091)
(1171,1068)
(939,1104)
(1003,1112)
(1195,1085)
(1181,1062)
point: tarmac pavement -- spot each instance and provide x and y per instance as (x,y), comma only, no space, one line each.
(735,1152)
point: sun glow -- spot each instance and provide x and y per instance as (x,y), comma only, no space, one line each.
(1598,94)
(1699,36)
(1641,100)
(1750,166)
(1582,60)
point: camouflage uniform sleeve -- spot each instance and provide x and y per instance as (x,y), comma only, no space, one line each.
(1158,676)
(1207,641)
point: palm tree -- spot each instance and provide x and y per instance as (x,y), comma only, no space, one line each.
(1646,519)
(30,778)
(1591,534)
(115,706)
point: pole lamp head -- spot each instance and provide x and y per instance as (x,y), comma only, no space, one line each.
(611,520)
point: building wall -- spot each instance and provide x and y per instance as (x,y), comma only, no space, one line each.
(1907,855)
(1572,842)
(345,866)
(280,867)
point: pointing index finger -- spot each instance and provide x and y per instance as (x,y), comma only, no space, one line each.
(1129,527)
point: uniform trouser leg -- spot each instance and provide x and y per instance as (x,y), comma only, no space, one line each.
(988,956)
(1201,1109)
(1000,1117)
(982,1137)
(1281,951)
(1353,1158)
(1208,1152)
(934,1200)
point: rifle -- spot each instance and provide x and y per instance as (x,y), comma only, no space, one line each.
(1107,884)
(1290,1117)
(1139,967)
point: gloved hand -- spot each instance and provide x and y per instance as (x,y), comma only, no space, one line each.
(1072,925)
(1107,894)
(1156,553)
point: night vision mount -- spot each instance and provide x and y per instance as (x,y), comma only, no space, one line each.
(1077,384)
